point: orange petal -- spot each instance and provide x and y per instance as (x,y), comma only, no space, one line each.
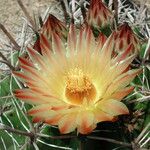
(86,130)
(53,119)
(67,123)
(81,41)
(31,97)
(101,40)
(39,109)
(125,53)
(57,45)
(45,46)
(122,93)
(90,40)
(37,119)
(123,65)
(37,58)
(21,75)
(108,47)
(25,62)
(44,113)
(123,80)
(113,107)
(35,73)
(27,96)
(72,41)
(102,116)
(85,122)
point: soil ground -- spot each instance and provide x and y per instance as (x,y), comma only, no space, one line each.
(11,15)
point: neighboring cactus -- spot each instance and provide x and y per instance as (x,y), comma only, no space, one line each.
(98,14)
(124,38)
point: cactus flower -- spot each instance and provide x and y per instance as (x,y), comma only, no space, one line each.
(124,38)
(52,24)
(76,85)
(98,14)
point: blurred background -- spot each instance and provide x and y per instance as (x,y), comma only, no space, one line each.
(12,16)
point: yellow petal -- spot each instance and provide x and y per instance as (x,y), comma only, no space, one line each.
(122,93)
(72,39)
(102,116)
(67,123)
(113,107)
(86,130)
(85,122)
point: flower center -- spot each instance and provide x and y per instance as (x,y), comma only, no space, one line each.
(79,87)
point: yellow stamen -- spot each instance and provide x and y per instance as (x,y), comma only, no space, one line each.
(79,86)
